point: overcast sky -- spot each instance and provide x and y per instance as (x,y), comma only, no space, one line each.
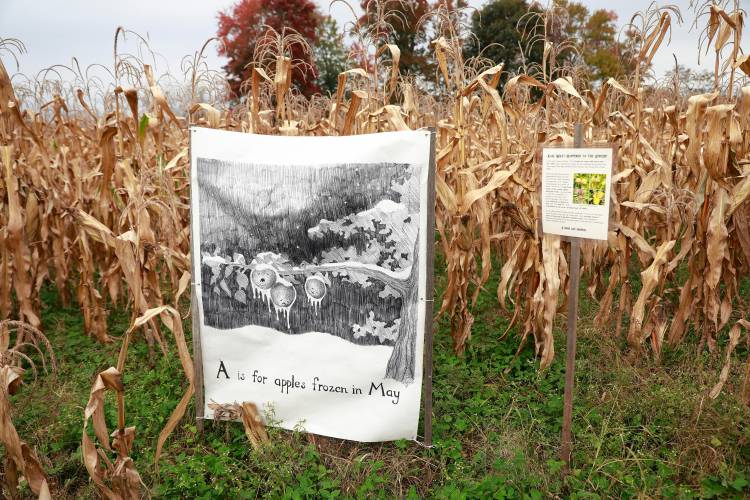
(54,31)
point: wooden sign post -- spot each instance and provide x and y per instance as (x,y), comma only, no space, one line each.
(570,354)
(570,358)
(575,204)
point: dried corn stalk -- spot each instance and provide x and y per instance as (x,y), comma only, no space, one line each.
(20,344)
(119,480)
(250,417)
(172,320)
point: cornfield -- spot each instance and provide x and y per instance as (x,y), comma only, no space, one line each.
(94,199)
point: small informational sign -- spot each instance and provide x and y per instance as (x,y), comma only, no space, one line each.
(575,191)
(311,266)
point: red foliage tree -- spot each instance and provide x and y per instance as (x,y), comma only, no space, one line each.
(243,26)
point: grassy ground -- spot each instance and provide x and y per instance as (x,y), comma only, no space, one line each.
(640,429)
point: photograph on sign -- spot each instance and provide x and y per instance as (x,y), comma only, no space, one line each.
(311,273)
(575,191)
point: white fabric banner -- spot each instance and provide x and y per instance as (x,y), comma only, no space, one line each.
(310,273)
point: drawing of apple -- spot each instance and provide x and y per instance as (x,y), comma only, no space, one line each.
(263,277)
(315,287)
(283,295)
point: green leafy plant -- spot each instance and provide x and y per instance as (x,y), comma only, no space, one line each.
(589,189)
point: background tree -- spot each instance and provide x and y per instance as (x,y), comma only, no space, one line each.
(243,25)
(330,54)
(400,22)
(593,38)
(496,34)
(690,81)
(602,52)
(503,30)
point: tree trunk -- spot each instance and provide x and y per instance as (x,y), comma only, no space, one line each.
(403,358)
(402,362)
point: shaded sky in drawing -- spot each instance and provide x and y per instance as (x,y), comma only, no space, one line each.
(271,208)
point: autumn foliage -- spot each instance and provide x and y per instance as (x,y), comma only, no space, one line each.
(243,27)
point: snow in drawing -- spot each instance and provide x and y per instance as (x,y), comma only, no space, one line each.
(324,248)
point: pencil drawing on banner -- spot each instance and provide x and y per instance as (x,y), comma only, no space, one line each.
(337,256)
(310,276)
